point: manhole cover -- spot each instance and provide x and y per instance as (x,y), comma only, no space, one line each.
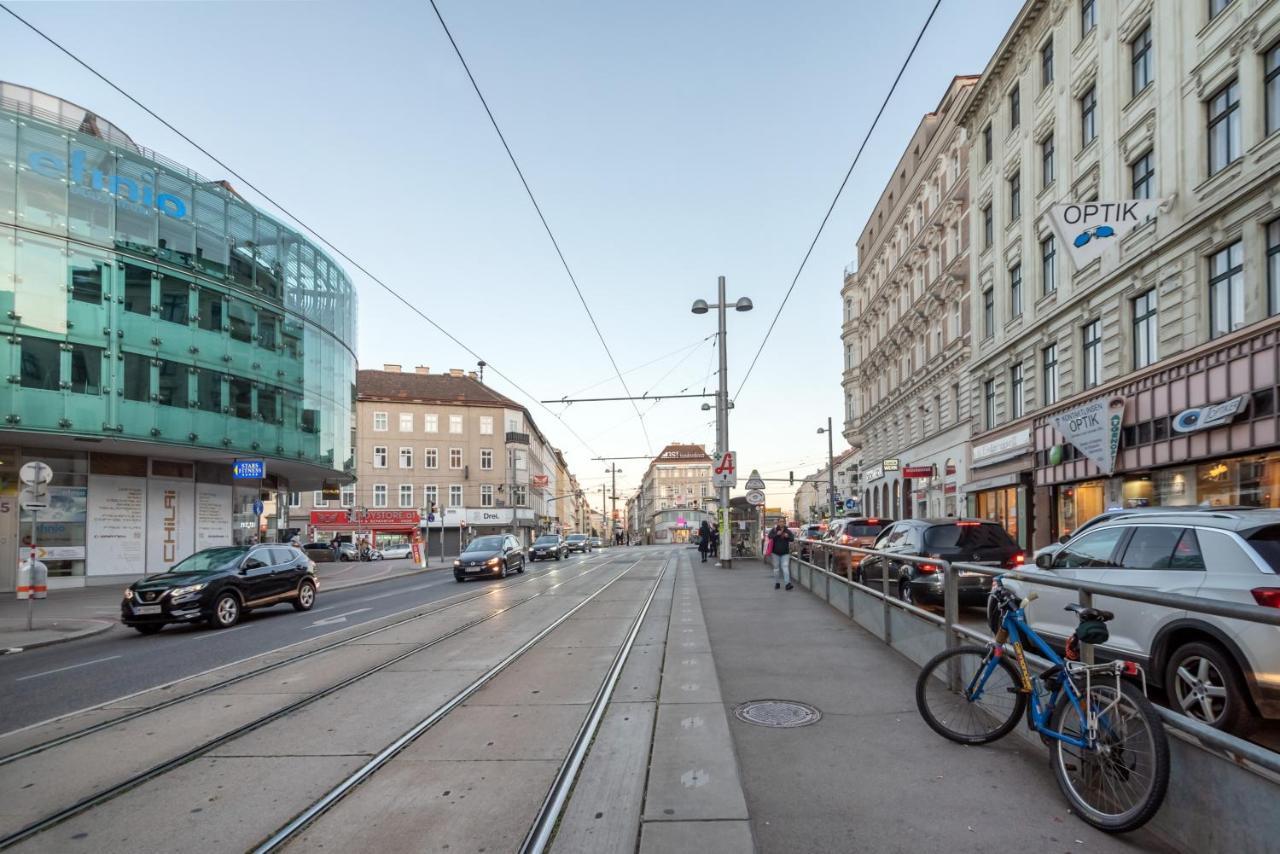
(778,713)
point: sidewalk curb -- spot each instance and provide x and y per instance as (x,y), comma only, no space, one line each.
(100,627)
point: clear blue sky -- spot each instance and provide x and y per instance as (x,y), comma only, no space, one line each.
(668,143)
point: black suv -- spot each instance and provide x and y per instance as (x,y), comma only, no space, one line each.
(220,585)
(548,547)
(968,540)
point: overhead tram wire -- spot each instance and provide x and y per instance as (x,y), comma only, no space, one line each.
(839,191)
(278,206)
(546,225)
(654,361)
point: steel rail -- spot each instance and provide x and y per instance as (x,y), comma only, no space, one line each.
(135,780)
(544,825)
(164,704)
(320,806)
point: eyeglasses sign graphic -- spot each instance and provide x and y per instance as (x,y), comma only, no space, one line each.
(1088,234)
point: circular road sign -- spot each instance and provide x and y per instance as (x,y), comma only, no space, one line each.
(35,473)
(755,497)
(30,499)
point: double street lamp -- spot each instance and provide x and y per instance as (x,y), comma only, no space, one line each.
(722,306)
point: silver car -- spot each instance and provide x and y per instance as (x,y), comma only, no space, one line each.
(402,550)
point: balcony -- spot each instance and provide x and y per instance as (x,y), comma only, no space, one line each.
(517,438)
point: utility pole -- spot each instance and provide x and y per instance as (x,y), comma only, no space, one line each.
(613,470)
(831,468)
(604,508)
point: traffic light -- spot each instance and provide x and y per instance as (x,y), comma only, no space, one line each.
(791,476)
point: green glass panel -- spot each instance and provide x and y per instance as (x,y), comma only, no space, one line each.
(91,208)
(133,184)
(8,274)
(42,169)
(8,169)
(40,299)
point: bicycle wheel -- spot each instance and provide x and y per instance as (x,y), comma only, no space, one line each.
(984,709)
(1117,785)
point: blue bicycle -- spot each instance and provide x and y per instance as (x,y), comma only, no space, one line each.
(1107,746)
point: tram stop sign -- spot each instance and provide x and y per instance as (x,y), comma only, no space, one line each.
(755,481)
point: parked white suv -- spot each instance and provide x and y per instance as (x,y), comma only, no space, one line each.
(1221,671)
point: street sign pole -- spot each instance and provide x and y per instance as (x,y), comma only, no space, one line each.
(35,475)
(31,574)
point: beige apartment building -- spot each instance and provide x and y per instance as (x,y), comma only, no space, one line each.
(1111,101)
(906,326)
(674,497)
(445,453)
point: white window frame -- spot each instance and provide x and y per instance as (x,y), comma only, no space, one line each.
(455,459)
(379,495)
(455,424)
(406,458)
(430,496)
(431,423)
(406,422)
(486,425)
(431,458)
(380,422)
(486,459)
(295,500)
(406,495)
(486,495)
(455,495)
(347,497)
(318,499)
(379,452)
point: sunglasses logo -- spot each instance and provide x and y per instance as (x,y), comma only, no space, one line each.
(1088,234)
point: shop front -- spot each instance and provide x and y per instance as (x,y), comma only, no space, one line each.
(1000,465)
(379,527)
(1199,432)
(934,487)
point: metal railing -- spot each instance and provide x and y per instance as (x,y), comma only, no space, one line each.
(1255,757)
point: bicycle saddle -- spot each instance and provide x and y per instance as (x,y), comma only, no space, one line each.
(1090,613)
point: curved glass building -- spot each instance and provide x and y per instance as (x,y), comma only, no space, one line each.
(157,328)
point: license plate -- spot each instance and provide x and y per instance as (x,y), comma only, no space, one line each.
(146,609)
(473,570)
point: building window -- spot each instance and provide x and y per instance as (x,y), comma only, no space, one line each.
(1088,116)
(431,423)
(380,422)
(455,458)
(1143,171)
(1140,60)
(1049,358)
(1091,339)
(1273,267)
(1015,391)
(1046,161)
(347,497)
(406,495)
(1226,290)
(1144,329)
(1216,7)
(486,459)
(86,369)
(486,425)
(430,497)
(318,499)
(987,153)
(380,457)
(455,423)
(379,495)
(430,458)
(1015,290)
(406,422)
(406,458)
(1272,89)
(1015,108)
(295,500)
(137,379)
(1046,63)
(486,495)
(989,404)
(955,401)
(1088,17)
(519,495)
(1015,196)
(988,313)
(455,495)
(1049,264)
(988,228)
(1224,127)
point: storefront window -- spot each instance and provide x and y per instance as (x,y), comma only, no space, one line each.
(1078,504)
(1002,506)
(1248,481)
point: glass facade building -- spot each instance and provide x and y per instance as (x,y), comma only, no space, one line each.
(151,312)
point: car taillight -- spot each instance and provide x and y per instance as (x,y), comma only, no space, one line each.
(928,567)
(845,540)
(1019,559)
(1267,597)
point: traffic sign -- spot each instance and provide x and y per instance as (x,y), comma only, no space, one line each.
(257,506)
(850,504)
(755,481)
(29,499)
(725,472)
(755,497)
(249,469)
(35,473)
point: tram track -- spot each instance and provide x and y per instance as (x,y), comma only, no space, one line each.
(109,793)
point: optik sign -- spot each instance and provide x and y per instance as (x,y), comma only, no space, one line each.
(84,178)
(1089,229)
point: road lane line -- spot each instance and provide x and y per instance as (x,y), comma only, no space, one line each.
(339,618)
(68,667)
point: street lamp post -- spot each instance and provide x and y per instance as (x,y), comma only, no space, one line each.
(831,468)
(723,404)
(613,469)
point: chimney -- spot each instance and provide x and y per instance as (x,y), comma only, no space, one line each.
(422,369)
(391,369)
(455,372)
(471,375)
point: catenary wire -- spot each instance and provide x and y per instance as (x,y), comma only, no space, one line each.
(246,182)
(653,361)
(839,191)
(547,226)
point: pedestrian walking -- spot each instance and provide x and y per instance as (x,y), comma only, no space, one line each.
(704,540)
(715,540)
(780,550)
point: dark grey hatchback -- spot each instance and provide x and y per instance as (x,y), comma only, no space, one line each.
(980,541)
(219,586)
(491,556)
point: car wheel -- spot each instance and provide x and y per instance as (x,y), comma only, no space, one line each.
(306,596)
(226,611)
(533,557)
(458,578)
(1203,683)
(148,628)
(559,556)
(521,569)
(904,591)
(503,574)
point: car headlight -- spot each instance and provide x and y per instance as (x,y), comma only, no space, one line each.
(128,593)
(179,592)
(494,561)
(457,563)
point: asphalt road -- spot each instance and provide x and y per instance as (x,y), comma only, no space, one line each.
(55,680)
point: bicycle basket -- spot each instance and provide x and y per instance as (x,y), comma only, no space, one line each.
(1092,631)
